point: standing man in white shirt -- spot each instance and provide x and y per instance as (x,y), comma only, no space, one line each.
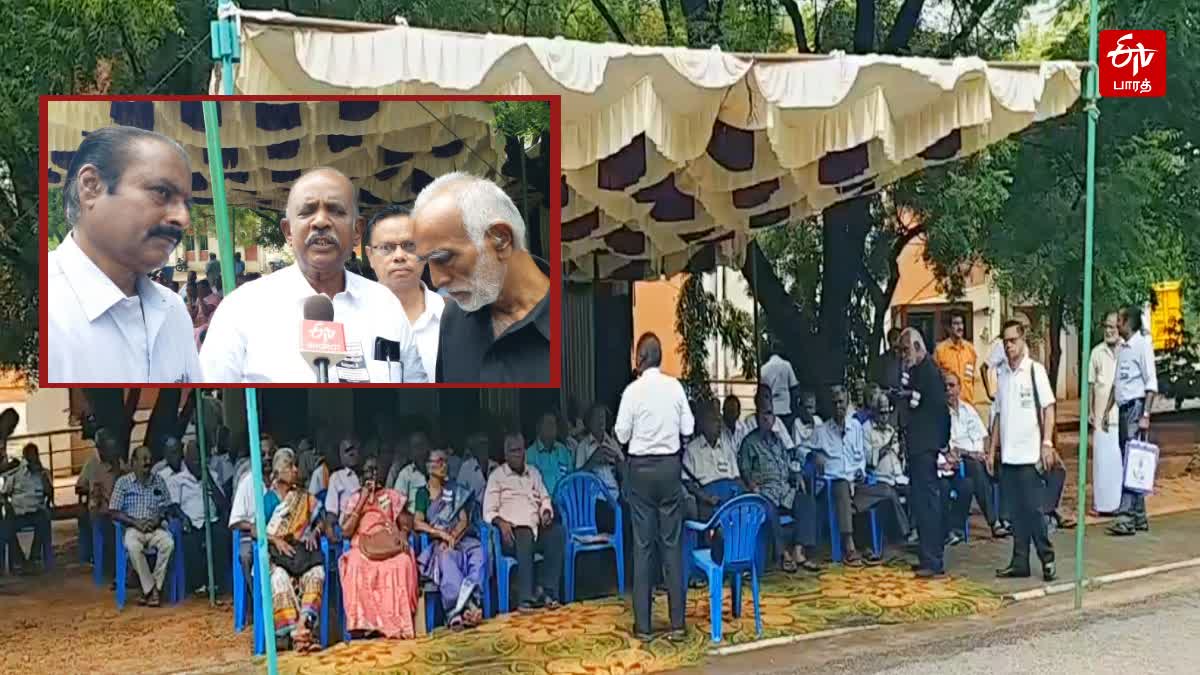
(187,494)
(400,271)
(1133,394)
(1022,432)
(1107,463)
(778,374)
(126,196)
(653,418)
(967,436)
(253,337)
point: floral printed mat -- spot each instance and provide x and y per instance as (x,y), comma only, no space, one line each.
(595,637)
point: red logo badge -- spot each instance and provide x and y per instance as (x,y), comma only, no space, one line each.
(1133,63)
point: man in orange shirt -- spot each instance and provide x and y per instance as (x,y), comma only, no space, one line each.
(957,355)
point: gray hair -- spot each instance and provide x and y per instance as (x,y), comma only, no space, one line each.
(917,342)
(480,202)
(284,459)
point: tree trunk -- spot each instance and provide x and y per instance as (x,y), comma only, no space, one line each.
(864,26)
(843,245)
(1054,337)
(703,23)
(783,320)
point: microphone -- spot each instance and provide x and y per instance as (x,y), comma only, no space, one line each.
(389,350)
(322,340)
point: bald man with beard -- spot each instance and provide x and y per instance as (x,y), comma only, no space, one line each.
(253,337)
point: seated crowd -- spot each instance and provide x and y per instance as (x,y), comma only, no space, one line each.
(403,511)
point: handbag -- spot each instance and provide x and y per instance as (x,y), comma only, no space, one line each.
(383,544)
(301,560)
(1141,463)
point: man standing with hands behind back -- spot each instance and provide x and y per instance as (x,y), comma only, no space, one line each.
(653,417)
(1022,432)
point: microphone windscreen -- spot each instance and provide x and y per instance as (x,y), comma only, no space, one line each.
(318,308)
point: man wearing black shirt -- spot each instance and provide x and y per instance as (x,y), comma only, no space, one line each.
(928,432)
(473,238)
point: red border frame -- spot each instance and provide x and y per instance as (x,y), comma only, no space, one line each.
(555,246)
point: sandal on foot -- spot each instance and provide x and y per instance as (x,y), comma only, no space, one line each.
(810,566)
(789,566)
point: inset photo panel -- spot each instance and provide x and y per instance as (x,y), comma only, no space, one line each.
(285,241)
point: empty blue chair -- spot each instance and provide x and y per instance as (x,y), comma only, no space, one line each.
(740,520)
(575,498)
(173,587)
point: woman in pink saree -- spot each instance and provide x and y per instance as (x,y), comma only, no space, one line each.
(378,573)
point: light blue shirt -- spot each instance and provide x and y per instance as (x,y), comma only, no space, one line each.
(845,449)
(1136,373)
(554,464)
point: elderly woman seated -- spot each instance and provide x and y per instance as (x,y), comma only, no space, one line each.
(378,573)
(297,565)
(453,560)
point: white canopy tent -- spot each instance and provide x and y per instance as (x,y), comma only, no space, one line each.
(667,152)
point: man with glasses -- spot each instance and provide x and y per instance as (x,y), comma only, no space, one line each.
(401,271)
(473,237)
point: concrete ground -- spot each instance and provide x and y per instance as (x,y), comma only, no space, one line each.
(1141,626)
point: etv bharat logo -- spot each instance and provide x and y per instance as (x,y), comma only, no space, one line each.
(321,332)
(1133,63)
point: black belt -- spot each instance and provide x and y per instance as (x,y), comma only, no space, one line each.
(673,455)
(1129,404)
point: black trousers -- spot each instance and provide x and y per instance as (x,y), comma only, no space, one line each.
(926,501)
(550,542)
(1026,495)
(977,485)
(40,521)
(656,505)
(195,560)
(1051,493)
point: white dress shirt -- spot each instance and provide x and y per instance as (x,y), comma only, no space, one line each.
(1017,416)
(1136,373)
(254,334)
(778,374)
(95,334)
(242,508)
(1102,375)
(186,491)
(426,328)
(653,415)
(966,429)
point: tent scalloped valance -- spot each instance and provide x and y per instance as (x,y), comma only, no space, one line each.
(677,149)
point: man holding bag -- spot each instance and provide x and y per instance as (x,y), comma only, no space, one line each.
(1023,431)
(1133,394)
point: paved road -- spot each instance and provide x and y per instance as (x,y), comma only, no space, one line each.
(1155,637)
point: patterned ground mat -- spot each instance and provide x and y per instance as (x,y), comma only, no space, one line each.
(594,637)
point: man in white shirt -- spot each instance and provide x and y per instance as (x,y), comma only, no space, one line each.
(1107,462)
(253,337)
(653,417)
(778,374)
(1022,432)
(710,466)
(400,271)
(807,419)
(187,495)
(343,483)
(126,197)
(1133,394)
(241,512)
(600,454)
(967,436)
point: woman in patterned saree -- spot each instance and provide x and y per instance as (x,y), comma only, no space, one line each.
(297,565)
(453,560)
(379,574)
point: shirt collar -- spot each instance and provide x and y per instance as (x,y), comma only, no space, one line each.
(355,285)
(539,316)
(96,292)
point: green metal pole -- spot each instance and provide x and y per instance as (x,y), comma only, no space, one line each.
(227,48)
(204,480)
(1093,115)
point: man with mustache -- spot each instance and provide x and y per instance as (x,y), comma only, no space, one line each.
(401,271)
(126,196)
(473,238)
(253,335)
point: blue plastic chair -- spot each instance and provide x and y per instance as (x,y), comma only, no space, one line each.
(327,596)
(835,539)
(174,582)
(504,568)
(740,520)
(575,498)
(239,586)
(98,549)
(47,550)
